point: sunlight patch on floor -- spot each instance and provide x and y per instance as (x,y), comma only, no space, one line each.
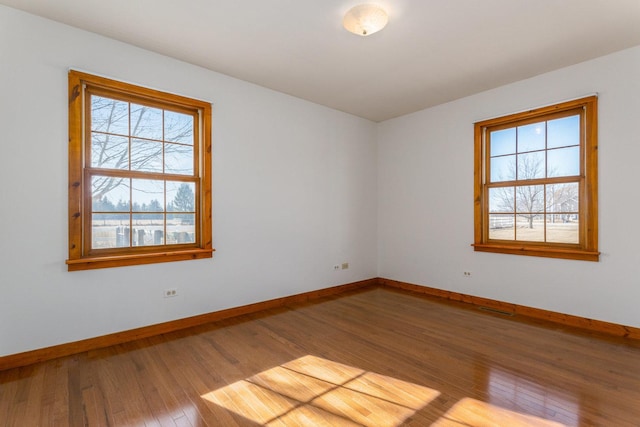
(472,412)
(530,396)
(316,391)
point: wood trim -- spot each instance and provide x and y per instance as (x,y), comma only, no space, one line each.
(541,251)
(75,166)
(478,186)
(206,174)
(67,349)
(591,325)
(591,181)
(116,87)
(534,113)
(81,256)
(90,263)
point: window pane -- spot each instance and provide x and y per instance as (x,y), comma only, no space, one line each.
(503,142)
(501,227)
(181,196)
(109,194)
(147,229)
(146,122)
(503,168)
(530,228)
(563,161)
(563,228)
(563,132)
(181,229)
(178,159)
(563,197)
(109,151)
(502,200)
(531,165)
(531,137)
(109,115)
(146,156)
(178,127)
(147,195)
(109,231)
(530,199)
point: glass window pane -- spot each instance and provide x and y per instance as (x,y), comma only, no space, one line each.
(109,151)
(563,132)
(563,162)
(563,228)
(110,194)
(146,122)
(146,156)
(503,142)
(530,199)
(531,165)
(178,127)
(148,229)
(501,227)
(181,229)
(109,231)
(109,115)
(502,200)
(147,195)
(178,159)
(563,197)
(181,196)
(503,168)
(530,228)
(531,137)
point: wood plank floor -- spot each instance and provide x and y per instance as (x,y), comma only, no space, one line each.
(378,357)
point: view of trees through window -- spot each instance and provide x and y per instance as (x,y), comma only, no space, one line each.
(534,181)
(141,174)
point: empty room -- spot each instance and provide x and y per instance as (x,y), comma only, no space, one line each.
(319,213)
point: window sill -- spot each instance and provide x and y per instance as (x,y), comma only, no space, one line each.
(93,262)
(563,253)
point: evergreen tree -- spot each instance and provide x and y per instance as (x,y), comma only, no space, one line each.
(184,200)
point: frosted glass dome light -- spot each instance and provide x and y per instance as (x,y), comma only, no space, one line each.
(365,19)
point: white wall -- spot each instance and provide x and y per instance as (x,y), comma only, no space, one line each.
(425,206)
(293,194)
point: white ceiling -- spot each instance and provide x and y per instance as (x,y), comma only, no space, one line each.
(432,51)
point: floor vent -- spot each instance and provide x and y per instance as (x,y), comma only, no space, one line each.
(496,311)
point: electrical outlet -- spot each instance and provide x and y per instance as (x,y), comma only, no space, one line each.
(467,274)
(336,267)
(170,293)
(345,265)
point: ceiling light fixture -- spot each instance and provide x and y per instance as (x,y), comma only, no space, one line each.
(365,19)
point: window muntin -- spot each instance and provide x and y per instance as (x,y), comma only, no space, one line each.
(139,173)
(536,182)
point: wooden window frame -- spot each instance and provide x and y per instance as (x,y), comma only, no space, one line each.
(587,248)
(81,257)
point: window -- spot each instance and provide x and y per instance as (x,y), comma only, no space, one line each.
(139,175)
(536,182)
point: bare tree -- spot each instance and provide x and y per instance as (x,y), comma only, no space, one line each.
(529,201)
(115,125)
(526,200)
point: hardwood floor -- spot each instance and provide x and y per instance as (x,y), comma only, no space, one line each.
(378,357)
